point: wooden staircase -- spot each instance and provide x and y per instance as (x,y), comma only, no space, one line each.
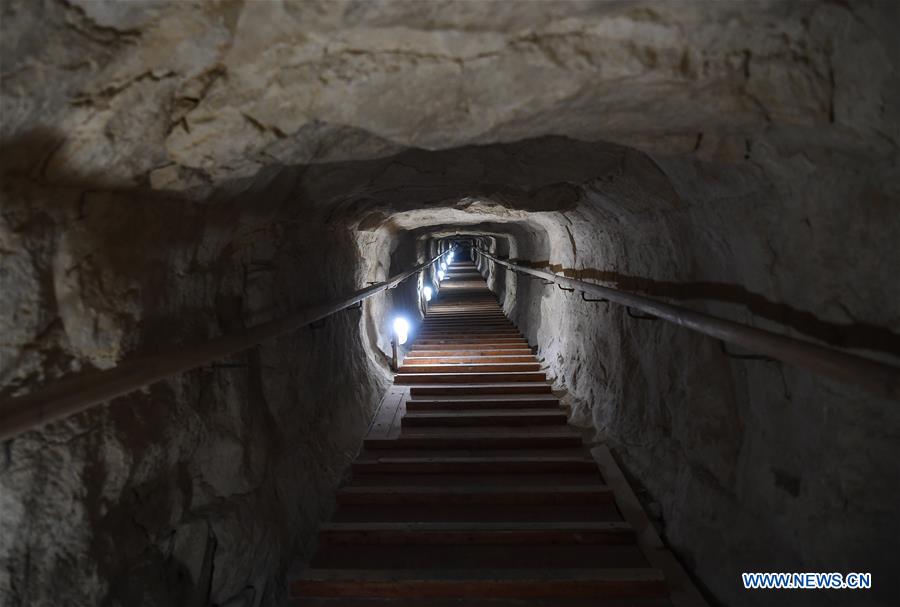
(472,490)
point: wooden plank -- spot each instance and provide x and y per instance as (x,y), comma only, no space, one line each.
(468,328)
(467,332)
(507,441)
(473,465)
(386,422)
(467,324)
(409,367)
(476,339)
(462,403)
(485,418)
(416,533)
(501,351)
(505,583)
(469,378)
(477,602)
(682,591)
(474,347)
(483,556)
(453,359)
(497,388)
(476,495)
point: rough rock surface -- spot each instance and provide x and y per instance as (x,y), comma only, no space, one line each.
(176,170)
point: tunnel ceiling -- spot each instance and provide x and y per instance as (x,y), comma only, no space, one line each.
(185,96)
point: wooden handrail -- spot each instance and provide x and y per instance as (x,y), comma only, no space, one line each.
(876,377)
(82,391)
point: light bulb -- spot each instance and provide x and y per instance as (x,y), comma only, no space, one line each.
(427,292)
(440,275)
(401,330)
(443,265)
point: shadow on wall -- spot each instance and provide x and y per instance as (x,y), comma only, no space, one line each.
(849,335)
(122,504)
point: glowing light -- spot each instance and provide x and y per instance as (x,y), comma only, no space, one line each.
(401,330)
(443,265)
(427,291)
(440,275)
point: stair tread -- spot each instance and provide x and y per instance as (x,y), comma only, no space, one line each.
(571,450)
(500,458)
(500,358)
(483,433)
(474,377)
(455,365)
(455,556)
(614,526)
(470,442)
(462,367)
(478,490)
(478,583)
(437,353)
(499,398)
(478,602)
(502,385)
(488,413)
(640,574)
(455,479)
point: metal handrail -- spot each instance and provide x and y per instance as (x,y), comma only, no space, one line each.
(82,391)
(878,378)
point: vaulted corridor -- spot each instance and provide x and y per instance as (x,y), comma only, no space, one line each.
(471,486)
(449,302)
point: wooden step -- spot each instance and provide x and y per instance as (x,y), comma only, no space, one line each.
(465,323)
(468,378)
(507,440)
(454,321)
(477,335)
(444,479)
(537,401)
(473,465)
(452,360)
(458,309)
(469,344)
(472,342)
(470,325)
(504,583)
(477,514)
(467,331)
(482,602)
(471,303)
(602,533)
(460,336)
(484,556)
(438,352)
(475,495)
(497,388)
(417,367)
(480,323)
(486,418)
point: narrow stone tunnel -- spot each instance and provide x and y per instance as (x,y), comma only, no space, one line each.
(174,172)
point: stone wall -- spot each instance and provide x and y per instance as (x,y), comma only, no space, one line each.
(751,465)
(208,486)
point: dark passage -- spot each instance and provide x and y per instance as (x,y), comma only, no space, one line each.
(472,486)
